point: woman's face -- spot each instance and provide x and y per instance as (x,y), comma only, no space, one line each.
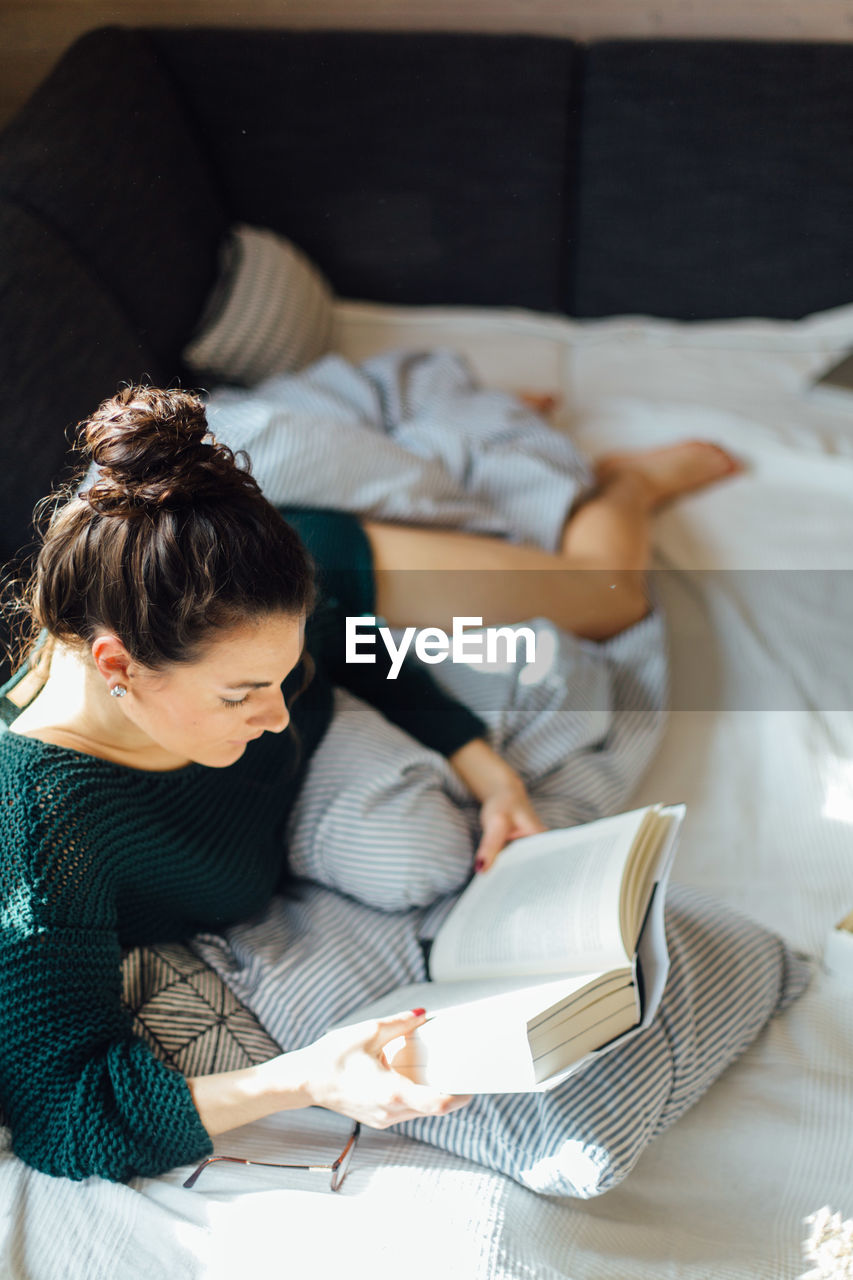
(209,709)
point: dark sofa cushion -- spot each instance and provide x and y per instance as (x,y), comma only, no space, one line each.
(64,347)
(103,154)
(715,179)
(421,168)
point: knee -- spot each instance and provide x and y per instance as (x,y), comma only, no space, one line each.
(625,602)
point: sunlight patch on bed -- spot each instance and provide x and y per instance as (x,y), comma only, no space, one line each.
(838,791)
(254,1229)
(576,1164)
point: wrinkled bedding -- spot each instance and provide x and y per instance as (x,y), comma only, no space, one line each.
(755,579)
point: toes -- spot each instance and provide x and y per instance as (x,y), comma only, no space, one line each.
(727,462)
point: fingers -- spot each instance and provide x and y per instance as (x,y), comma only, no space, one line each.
(409,1099)
(501,827)
(391,1032)
(412,1099)
(399,1024)
(423,1101)
(528,823)
(495,834)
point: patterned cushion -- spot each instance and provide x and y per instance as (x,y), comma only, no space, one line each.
(187,1015)
(270,311)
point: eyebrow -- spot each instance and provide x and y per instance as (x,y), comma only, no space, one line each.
(264,684)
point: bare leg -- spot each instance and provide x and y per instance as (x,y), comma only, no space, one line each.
(594,588)
(428,577)
(612,528)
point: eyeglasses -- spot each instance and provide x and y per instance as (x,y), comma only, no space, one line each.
(338,1170)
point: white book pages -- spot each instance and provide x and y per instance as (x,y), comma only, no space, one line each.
(549,904)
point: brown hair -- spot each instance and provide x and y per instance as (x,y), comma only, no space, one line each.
(173,538)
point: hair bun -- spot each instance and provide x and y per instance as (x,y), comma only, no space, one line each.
(153,449)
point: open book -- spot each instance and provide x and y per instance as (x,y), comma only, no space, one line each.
(554,953)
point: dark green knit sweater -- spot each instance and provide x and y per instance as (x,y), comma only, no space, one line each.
(97,857)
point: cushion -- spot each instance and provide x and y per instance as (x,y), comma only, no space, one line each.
(104,154)
(187,1015)
(269,312)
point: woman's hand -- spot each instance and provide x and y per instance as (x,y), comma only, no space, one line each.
(346,1071)
(506,814)
(507,811)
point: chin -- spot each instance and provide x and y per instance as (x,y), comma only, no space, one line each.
(221,757)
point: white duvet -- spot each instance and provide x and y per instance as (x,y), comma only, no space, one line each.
(760,746)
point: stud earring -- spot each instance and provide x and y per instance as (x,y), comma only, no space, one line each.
(118,691)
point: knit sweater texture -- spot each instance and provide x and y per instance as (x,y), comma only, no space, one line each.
(97,857)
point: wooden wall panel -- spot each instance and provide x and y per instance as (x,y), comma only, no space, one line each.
(33,33)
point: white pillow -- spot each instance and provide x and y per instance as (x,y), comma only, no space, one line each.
(269,312)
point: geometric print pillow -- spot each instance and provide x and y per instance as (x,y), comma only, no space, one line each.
(187,1015)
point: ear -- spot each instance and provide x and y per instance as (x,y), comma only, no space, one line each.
(111,659)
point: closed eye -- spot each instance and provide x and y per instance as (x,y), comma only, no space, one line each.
(228,702)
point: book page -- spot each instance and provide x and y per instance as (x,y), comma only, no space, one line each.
(550,904)
(614,1014)
(649,865)
(616,1030)
(547,1028)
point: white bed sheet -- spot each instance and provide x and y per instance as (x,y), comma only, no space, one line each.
(761,749)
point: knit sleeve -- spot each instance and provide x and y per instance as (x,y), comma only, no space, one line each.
(82,1094)
(344,565)
(413,701)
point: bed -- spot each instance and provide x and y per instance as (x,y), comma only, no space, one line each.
(755,577)
(478,191)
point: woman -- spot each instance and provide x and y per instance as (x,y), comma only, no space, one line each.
(149,774)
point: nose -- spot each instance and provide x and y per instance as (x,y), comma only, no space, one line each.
(273,716)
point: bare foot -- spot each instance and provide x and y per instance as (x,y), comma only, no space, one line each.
(672,470)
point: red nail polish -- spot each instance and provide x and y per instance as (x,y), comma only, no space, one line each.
(479,864)
(418,1013)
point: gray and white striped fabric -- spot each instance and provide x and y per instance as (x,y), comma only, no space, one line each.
(408,437)
(306,963)
(382,828)
(580,734)
(270,312)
